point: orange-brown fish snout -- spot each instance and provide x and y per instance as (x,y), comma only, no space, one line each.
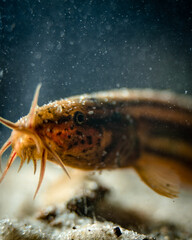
(26,146)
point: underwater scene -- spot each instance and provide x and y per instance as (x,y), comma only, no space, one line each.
(95,119)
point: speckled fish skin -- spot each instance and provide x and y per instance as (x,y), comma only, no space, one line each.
(148,130)
(117,127)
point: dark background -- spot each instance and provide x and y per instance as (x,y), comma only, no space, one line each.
(75,46)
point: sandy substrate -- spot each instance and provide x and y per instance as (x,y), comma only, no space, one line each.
(107,205)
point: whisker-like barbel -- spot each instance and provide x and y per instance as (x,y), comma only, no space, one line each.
(23,138)
(148,130)
(10,161)
(3,149)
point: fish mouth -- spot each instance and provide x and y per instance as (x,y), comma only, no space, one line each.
(80,162)
(21,148)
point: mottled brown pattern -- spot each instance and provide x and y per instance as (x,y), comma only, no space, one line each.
(148,130)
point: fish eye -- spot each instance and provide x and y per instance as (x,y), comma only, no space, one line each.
(79,118)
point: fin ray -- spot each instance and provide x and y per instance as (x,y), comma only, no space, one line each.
(159,175)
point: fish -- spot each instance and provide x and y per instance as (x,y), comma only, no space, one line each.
(144,129)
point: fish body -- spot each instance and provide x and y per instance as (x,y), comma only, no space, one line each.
(148,130)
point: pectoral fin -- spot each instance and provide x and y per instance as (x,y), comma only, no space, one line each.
(159,175)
